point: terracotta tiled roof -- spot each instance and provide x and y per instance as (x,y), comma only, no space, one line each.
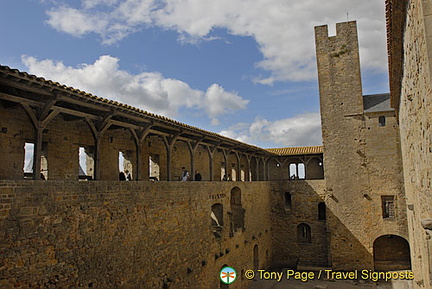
(292,151)
(52,85)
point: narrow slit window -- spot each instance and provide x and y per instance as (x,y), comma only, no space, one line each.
(288,201)
(382,121)
(304,233)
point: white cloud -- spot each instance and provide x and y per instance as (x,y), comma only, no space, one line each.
(76,22)
(149,90)
(283,29)
(300,130)
(217,101)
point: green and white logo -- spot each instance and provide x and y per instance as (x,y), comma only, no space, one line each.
(227,275)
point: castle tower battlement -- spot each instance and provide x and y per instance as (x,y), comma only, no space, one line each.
(360,153)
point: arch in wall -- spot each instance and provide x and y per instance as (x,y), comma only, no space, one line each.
(232,167)
(391,252)
(180,157)
(253,169)
(244,169)
(202,162)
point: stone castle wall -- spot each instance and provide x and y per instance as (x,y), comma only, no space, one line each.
(58,234)
(295,203)
(415,120)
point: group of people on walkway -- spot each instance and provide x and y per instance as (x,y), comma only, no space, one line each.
(186,177)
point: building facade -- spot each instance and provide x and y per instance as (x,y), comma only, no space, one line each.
(360,201)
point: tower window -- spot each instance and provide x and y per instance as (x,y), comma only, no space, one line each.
(388,207)
(381,121)
(304,233)
(287,201)
(321,211)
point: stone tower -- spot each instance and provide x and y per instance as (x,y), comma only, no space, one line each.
(358,154)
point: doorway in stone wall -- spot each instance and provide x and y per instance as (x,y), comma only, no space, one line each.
(391,252)
(28,166)
(154,169)
(125,165)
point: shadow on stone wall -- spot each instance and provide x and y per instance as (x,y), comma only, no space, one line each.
(332,243)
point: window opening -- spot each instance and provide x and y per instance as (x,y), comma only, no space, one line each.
(303,233)
(293,171)
(224,177)
(301,171)
(28,160)
(242,173)
(381,121)
(237,212)
(388,207)
(154,169)
(125,165)
(217,219)
(321,211)
(86,163)
(288,202)
(233,173)
(29,148)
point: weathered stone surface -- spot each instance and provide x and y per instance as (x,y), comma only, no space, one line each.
(427,224)
(137,235)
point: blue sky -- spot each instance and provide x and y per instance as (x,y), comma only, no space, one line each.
(242,68)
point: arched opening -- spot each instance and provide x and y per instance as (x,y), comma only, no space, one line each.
(125,165)
(154,167)
(86,162)
(391,252)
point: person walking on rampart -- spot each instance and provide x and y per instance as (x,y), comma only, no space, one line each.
(185,175)
(198,176)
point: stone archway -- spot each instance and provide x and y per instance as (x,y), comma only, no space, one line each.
(391,252)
